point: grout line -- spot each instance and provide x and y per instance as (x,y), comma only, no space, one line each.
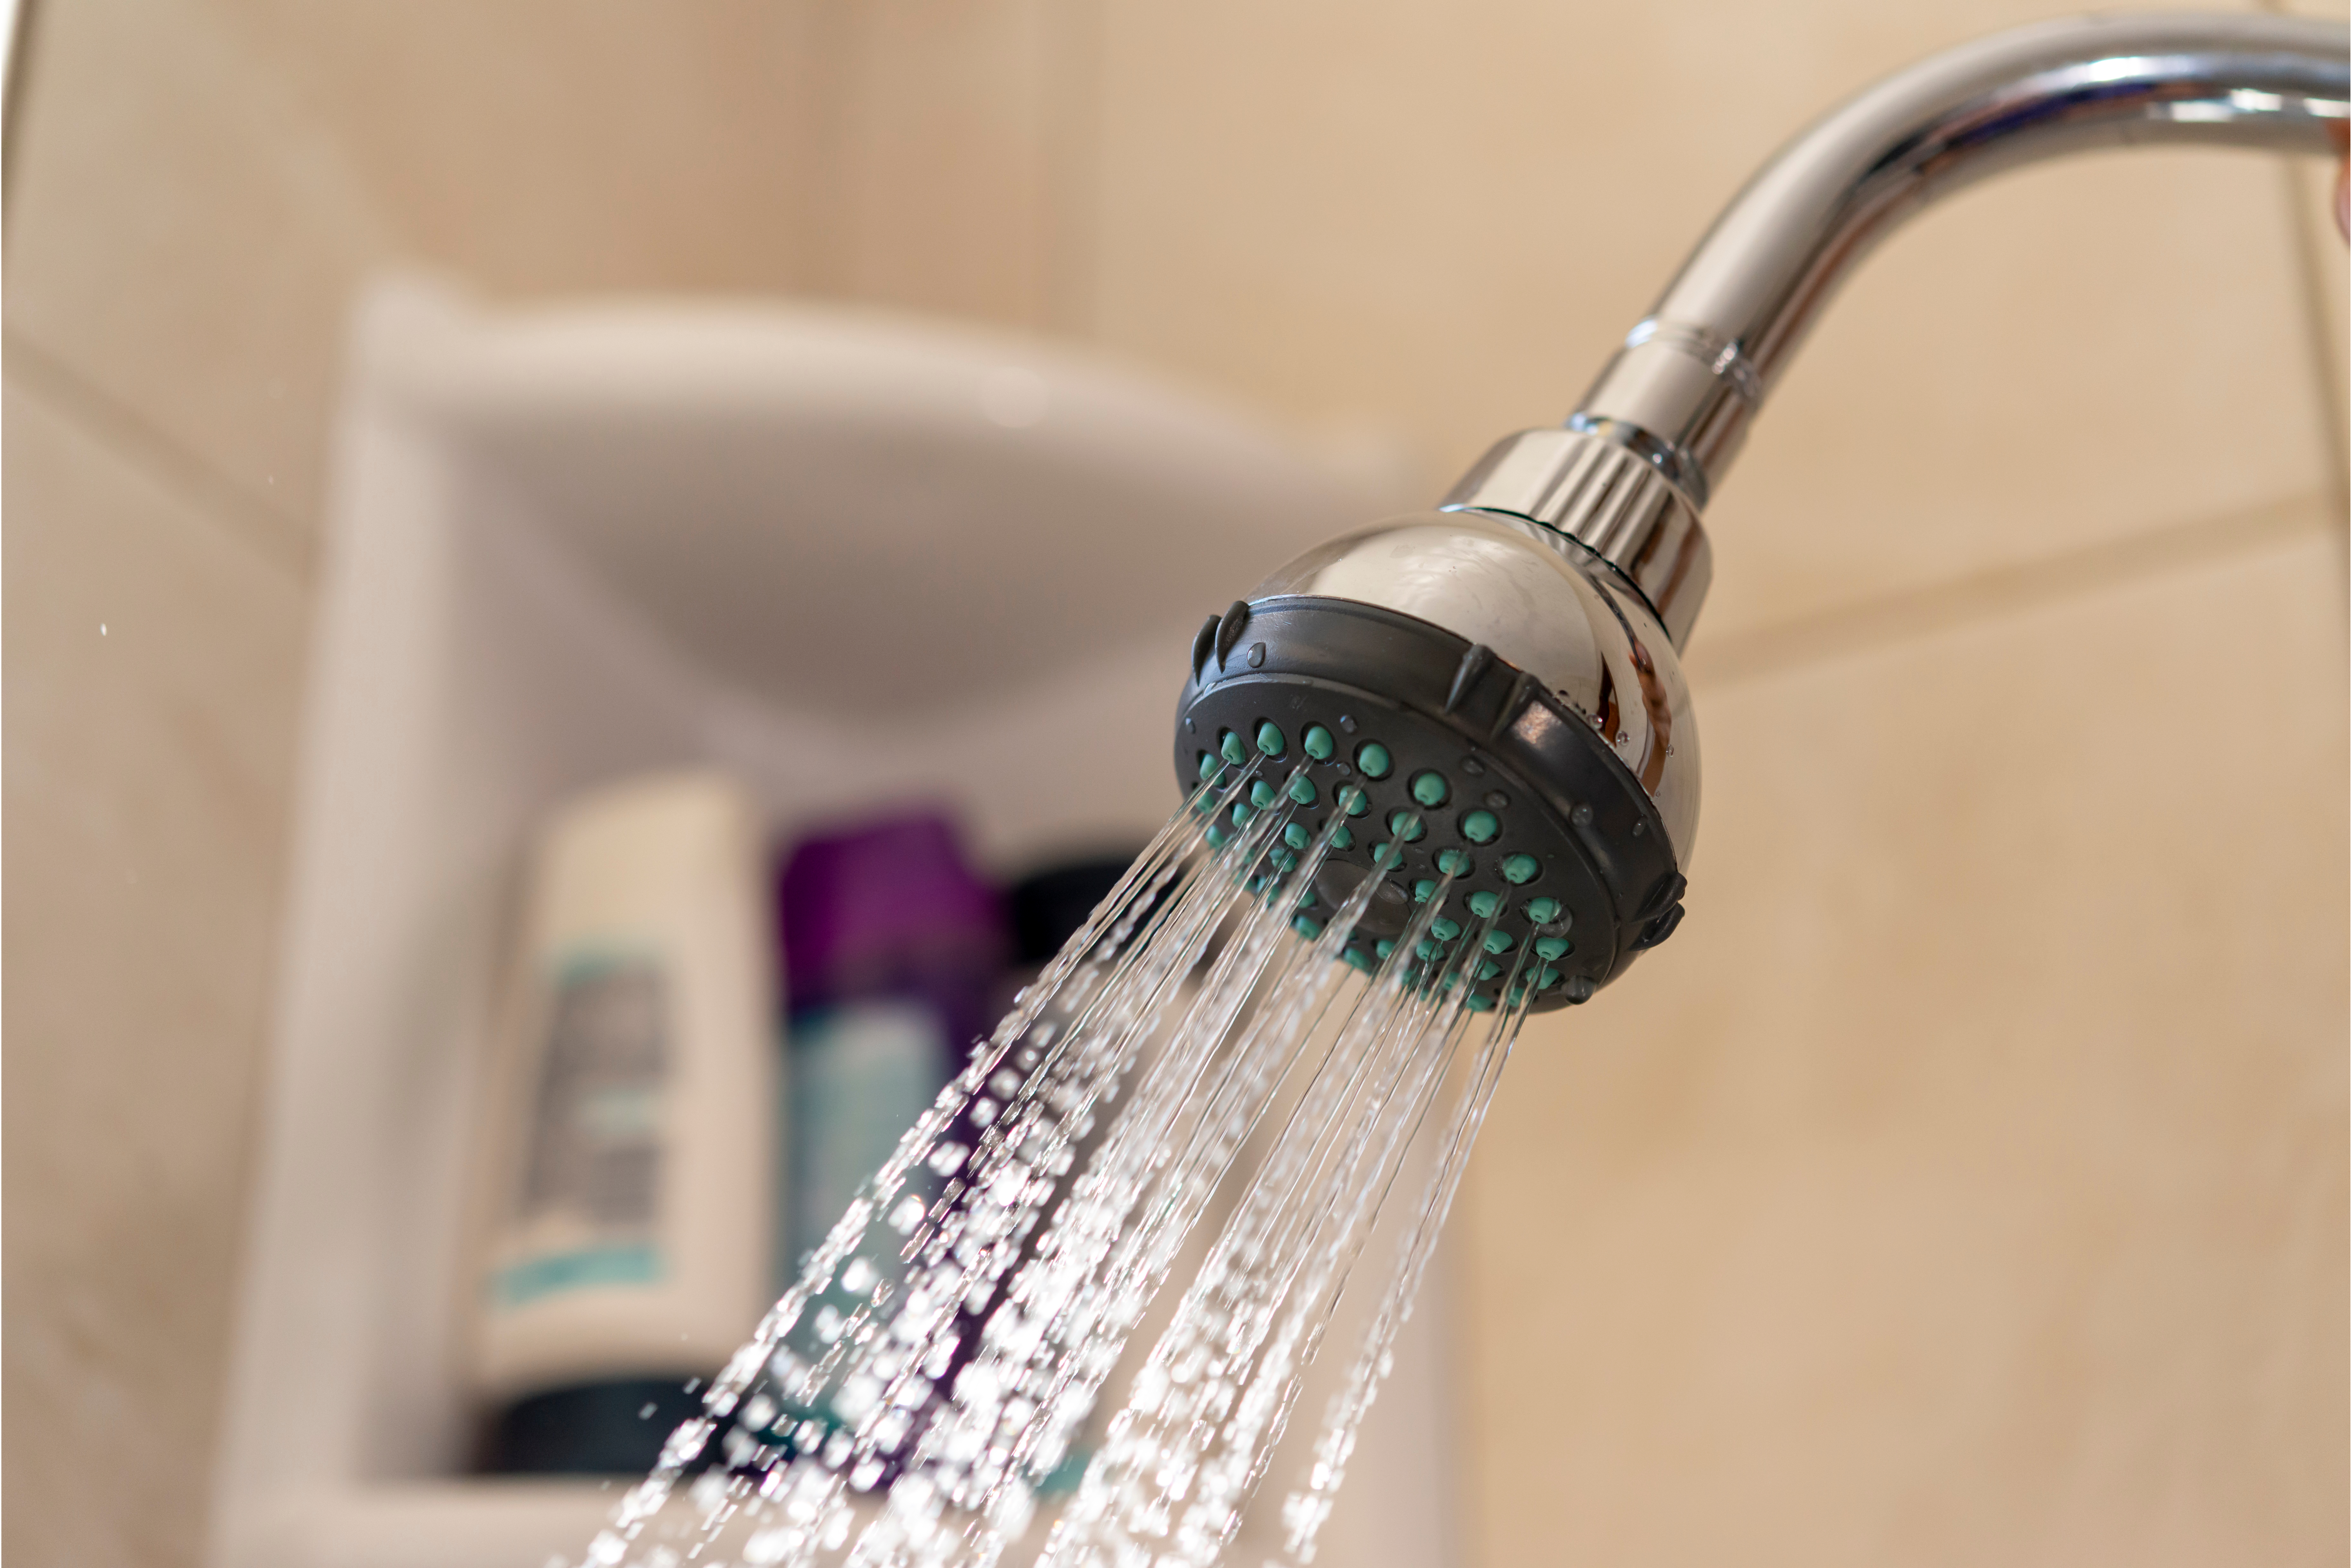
(19,45)
(1073,168)
(811,91)
(2309,230)
(2309,234)
(1907,617)
(827,124)
(280,540)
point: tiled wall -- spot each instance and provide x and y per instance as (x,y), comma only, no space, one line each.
(1965,1183)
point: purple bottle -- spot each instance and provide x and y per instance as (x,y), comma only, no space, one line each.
(891,947)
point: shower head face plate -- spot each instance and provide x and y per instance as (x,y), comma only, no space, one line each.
(1492,776)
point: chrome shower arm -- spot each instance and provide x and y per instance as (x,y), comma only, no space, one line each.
(1691,376)
(1507,671)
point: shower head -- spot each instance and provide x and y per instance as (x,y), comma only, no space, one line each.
(1494,688)
(1488,688)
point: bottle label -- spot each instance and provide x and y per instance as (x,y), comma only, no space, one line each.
(585,1214)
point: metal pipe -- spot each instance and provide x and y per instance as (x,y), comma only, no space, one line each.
(1628,475)
(1693,373)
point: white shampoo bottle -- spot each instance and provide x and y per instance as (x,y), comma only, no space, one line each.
(629,1206)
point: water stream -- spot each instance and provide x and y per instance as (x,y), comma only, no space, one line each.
(1197,1082)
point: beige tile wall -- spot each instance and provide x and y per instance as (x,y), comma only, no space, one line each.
(153,659)
(179,252)
(1966,1183)
(533,146)
(182,246)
